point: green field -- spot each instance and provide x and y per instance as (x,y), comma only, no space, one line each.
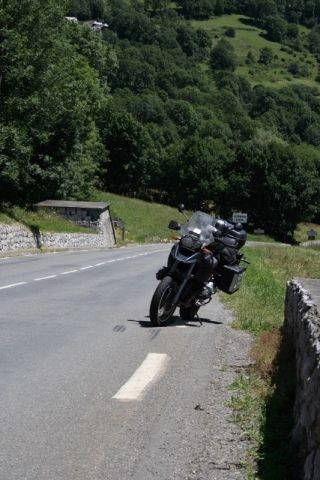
(145,221)
(251,38)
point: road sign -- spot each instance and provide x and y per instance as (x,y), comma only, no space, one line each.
(238,217)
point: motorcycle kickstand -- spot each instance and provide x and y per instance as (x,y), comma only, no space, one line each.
(198,319)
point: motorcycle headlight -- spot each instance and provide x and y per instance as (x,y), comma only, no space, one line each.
(191,243)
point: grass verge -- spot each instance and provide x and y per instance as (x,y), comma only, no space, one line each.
(43,221)
(262,396)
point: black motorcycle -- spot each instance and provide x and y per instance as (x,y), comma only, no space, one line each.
(194,271)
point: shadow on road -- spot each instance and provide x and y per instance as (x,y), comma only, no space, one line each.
(176,322)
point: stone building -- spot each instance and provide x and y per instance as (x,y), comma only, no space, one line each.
(88,214)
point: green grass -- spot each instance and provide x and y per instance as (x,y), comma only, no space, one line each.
(44,221)
(260,238)
(262,398)
(251,38)
(259,304)
(145,221)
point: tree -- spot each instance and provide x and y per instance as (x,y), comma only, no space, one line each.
(51,101)
(223,57)
(274,185)
(156,6)
(197,169)
(266,56)
(250,58)
(132,161)
(276,28)
(183,115)
(197,8)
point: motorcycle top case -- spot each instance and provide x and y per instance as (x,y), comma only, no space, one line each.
(230,278)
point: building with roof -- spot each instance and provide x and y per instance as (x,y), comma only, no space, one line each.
(88,214)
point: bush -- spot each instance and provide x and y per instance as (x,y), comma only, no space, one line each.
(266,56)
(298,69)
(222,57)
(230,32)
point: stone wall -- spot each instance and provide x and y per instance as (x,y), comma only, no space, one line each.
(302,331)
(17,237)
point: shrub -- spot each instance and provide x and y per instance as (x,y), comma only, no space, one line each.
(266,56)
(230,32)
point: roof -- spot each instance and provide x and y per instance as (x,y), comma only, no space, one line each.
(73,204)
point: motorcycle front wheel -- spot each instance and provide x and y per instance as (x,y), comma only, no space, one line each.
(161,307)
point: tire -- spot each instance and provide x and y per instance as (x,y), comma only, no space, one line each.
(188,313)
(161,309)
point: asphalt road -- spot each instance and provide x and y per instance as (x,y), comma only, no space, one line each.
(88,390)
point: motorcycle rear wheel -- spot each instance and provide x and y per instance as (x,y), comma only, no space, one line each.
(161,308)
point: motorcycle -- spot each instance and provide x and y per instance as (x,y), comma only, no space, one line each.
(193,273)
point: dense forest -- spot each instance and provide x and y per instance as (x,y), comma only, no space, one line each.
(152,107)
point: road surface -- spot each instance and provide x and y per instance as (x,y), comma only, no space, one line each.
(89,391)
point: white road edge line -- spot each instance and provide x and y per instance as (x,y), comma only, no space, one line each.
(153,366)
(99,264)
(13,285)
(45,278)
(87,267)
(70,271)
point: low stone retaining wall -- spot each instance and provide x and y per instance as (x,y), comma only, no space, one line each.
(16,237)
(302,331)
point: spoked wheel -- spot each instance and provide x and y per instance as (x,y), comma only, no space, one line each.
(188,313)
(161,308)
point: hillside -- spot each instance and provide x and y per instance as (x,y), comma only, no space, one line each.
(164,104)
(250,38)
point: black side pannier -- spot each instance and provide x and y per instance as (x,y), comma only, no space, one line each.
(229,278)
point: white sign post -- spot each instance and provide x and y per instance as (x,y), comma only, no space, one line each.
(238,217)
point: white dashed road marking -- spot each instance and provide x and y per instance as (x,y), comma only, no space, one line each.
(82,268)
(45,278)
(12,285)
(70,271)
(149,371)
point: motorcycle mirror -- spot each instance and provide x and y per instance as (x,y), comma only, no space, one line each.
(174,225)
(181,207)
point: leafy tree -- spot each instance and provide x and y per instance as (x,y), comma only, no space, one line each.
(51,101)
(266,56)
(183,115)
(276,28)
(132,160)
(250,58)
(156,6)
(314,40)
(274,185)
(197,170)
(197,8)
(292,30)
(223,57)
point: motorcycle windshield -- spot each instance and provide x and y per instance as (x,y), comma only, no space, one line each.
(200,224)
